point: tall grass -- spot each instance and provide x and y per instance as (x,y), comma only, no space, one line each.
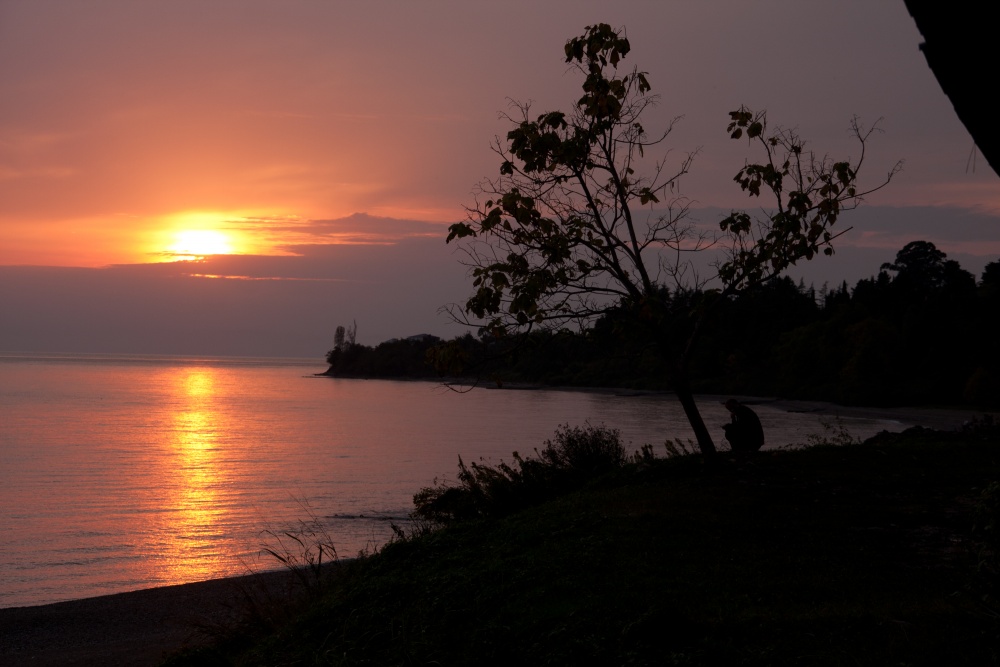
(835,433)
(305,550)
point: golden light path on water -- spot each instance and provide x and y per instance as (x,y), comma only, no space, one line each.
(196,522)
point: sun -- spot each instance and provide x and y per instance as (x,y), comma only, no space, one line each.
(198,243)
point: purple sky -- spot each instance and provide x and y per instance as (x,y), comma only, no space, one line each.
(332,143)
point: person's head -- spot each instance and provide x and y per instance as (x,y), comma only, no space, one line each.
(732,404)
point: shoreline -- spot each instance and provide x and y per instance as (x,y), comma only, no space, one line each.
(145,627)
(140,627)
(937,418)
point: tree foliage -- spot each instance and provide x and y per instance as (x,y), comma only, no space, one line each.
(575,228)
(560,238)
(805,195)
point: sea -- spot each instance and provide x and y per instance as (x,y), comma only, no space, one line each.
(125,472)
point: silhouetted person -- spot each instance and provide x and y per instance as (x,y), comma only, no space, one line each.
(744,432)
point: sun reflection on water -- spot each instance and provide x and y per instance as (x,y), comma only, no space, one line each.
(195,536)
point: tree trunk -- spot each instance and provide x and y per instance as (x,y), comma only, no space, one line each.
(682,385)
(683,390)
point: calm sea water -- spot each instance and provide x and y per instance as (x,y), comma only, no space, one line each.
(120,473)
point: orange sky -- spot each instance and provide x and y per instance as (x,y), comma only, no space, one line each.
(123,123)
(270,124)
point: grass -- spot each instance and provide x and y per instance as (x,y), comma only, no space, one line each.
(850,555)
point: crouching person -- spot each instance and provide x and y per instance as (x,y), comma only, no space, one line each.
(744,432)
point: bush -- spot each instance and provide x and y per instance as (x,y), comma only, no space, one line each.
(584,450)
(574,457)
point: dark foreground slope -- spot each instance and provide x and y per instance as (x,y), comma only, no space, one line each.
(859,555)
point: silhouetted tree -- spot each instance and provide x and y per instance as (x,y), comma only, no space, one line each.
(990,284)
(918,332)
(338,338)
(344,339)
(922,268)
(560,237)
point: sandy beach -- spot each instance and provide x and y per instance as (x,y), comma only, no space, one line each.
(139,628)
(939,419)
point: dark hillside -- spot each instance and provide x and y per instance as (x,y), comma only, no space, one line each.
(858,555)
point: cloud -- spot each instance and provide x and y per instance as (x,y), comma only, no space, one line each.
(291,235)
(951,228)
(876,234)
(359,228)
(290,305)
(894,226)
(268,306)
(362,225)
(139,109)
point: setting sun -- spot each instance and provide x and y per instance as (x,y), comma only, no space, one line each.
(194,244)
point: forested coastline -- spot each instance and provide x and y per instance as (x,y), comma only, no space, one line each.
(921,331)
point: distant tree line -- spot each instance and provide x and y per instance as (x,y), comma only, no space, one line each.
(402,358)
(921,331)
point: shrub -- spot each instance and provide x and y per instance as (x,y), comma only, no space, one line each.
(572,458)
(584,450)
